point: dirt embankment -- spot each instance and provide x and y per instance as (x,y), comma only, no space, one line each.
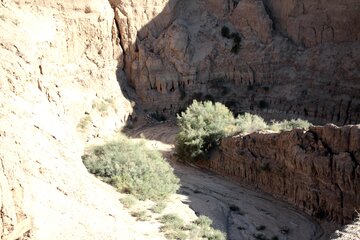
(317,171)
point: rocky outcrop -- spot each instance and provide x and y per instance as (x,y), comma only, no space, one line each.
(318,170)
(295,59)
(316,22)
(57,79)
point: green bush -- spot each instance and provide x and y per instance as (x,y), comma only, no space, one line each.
(289,125)
(84,122)
(249,123)
(128,201)
(202,125)
(132,168)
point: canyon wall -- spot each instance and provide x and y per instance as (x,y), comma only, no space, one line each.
(59,89)
(317,170)
(295,59)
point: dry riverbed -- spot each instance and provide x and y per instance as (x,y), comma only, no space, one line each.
(240,212)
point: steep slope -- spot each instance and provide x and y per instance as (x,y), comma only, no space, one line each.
(296,58)
(317,170)
(57,79)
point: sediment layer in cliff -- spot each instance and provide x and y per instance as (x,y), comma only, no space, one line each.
(318,170)
(294,59)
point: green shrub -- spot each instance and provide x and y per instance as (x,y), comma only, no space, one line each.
(202,125)
(140,215)
(158,207)
(206,231)
(128,201)
(175,228)
(203,221)
(289,125)
(249,123)
(132,168)
(84,122)
(171,221)
(100,105)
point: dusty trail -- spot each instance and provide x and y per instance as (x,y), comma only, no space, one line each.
(240,212)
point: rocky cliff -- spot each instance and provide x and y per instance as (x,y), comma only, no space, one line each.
(318,170)
(58,89)
(277,58)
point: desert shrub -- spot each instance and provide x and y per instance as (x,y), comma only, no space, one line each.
(289,125)
(84,122)
(202,125)
(171,221)
(140,215)
(206,231)
(249,123)
(128,201)
(158,207)
(132,168)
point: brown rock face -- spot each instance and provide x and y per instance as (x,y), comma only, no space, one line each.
(295,59)
(316,22)
(58,65)
(318,171)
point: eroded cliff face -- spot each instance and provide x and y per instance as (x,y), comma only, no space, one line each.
(318,170)
(58,89)
(295,59)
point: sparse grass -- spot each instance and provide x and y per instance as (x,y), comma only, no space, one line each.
(84,122)
(158,207)
(111,102)
(203,221)
(206,231)
(128,201)
(100,105)
(171,221)
(175,228)
(140,215)
(132,168)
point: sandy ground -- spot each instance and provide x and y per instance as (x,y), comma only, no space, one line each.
(240,212)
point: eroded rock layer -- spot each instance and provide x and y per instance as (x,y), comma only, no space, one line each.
(58,88)
(318,170)
(295,58)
